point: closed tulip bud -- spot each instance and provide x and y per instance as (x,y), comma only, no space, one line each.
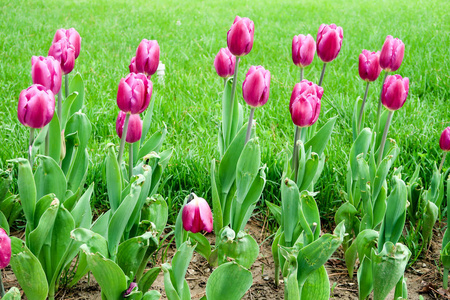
(240,36)
(134,94)
(256,86)
(392,53)
(329,42)
(147,57)
(303,49)
(395,91)
(130,289)
(369,65)
(197,215)
(224,63)
(444,141)
(5,249)
(36,106)
(72,35)
(64,53)
(46,71)
(132,65)
(305,103)
(134,132)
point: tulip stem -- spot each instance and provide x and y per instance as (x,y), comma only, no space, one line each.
(59,105)
(124,137)
(130,162)
(277,273)
(298,131)
(233,87)
(2,288)
(250,123)
(301,74)
(323,73)
(383,139)
(30,147)
(442,161)
(66,81)
(445,279)
(362,108)
(47,142)
(379,103)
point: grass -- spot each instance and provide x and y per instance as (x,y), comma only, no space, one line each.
(189,102)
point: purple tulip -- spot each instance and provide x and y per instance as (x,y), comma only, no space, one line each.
(303,49)
(395,91)
(47,72)
(147,57)
(256,86)
(130,289)
(132,65)
(392,53)
(329,42)
(36,106)
(64,52)
(72,35)
(5,249)
(134,132)
(134,94)
(197,215)
(369,65)
(240,36)
(444,141)
(224,63)
(305,103)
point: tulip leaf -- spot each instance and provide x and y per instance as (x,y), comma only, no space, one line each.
(38,141)
(346,212)
(203,247)
(350,258)
(12,294)
(54,135)
(319,141)
(226,276)
(113,179)
(310,211)
(78,170)
(429,219)
(247,168)
(290,206)
(355,119)
(66,105)
(147,280)
(275,210)
(158,212)
(360,145)
(38,236)
(49,178)
(79,123)
(4,223)
(76,85)
(383,170)
(152,295)
(317,285)
(82,213)
(217,206)
(365,278)
(365,242)
(311,168)
(147,122)
(154,143)
(93,241)
(27,189)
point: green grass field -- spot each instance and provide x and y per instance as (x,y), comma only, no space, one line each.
(190,101)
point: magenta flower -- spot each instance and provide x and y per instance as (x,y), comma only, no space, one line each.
(132,65)
(133,285)
(36,106)
(72,35)
(134,131)
(5,249)
(197,215)
(256,86)
(329,42)
(46,71)
(395,91)
(64,52)
(303,49)
(392,53)
(147,57)
(369,65)
(444,141)
(240,36)
(305,103)
(134,94)
(224,63)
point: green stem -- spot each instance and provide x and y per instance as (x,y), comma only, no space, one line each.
(298,131)
(362,107)
(233,87)
(442,161)
(379,102)
(47,142)
(323,73)
(250,123)
(301,74)
(130,162)
(124,137)
(277,273)
(2,288)
(66,81)
(59,112)
(30,147)
(445,279)
(383,139)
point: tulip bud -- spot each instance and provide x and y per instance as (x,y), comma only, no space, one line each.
(132,65)
(134,94)
(197,215)
(240,36)
(47,72)
(256,86)
(130,289)
(395,91)
(303,49)
(134,131)
(392,53)
(369,65)
(444,141)
(5,249)
(305,103)
(147,57)
(64,53)
(36,106)
(329,42)
(72,35)
(224,63)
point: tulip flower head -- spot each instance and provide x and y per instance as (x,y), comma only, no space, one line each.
(395,91)
(47,72)
(72,35)
(133,285)
(329,42)
(5,249)
(36,106)
(64,52)
(240,36)
(134,94)
(134,132)
(197,215)
(305,103)
(392,53)
(369,65)
(303,49)
(147,57)
(225,63)
(444,141)
(256,86)
(132,65)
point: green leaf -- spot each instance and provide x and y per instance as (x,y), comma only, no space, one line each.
(147,120)
(244,249)
(79,123)
(76,85)
(356,110)
(365,242)
(290,209)
(203,247)
(226,276)
(346,212)
(152,295)
(429,219)
(360,145)
(350,258)
(78,170)
(82,213)
(38,236)
(317,286)
(113,179)
(180,264)
(38,141)
(311,168)
(4,223)
(54,135)
(147,280)
(49,178)
(247,168)
(217,206)
(275,210)
(93,241)
(310,211)
(365,278)
(169,288)
(154,143)
(320,140)
(12,294)
(27,189)
(66,105)
(158,212)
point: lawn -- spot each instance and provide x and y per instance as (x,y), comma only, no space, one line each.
(190,33)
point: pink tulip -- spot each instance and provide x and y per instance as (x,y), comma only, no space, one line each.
(329,42)
(224,63)
(305,103)
(134,132)
(132,65)
(36,106)
(197,215)
(47,72)
(134,94)
(5,249)
(240,36)
(369,65)
(444,141)
(256,86)
(130,289)
(303,49)
(64,52)
(395,91)
(147,57)
(392,53)
(72,35)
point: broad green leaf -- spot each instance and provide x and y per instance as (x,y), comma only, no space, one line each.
(158,212)
(54,135)
(365,278)
(12,294)
(346,212)
(147,122)
(317,286)
(93,241)
(147,280)
(38,236)
(66,105)
(38,141)
(76,85)
(365,242)
(275,210)
(217,206)
(77,173)
(82,213)
(429,219)
(27,189)
(244,249)
(49,178)
(79,123)
(113,179)
(320,140)
(203,247)
(181,235)
(290,209)
(311,167)
(152,295)
(154,143)
(360,145)
(355,118)
(4,223)
(226,276)
(100,225)
(350,258)
(382,171)
(247,168)
(310,211)
(180,264)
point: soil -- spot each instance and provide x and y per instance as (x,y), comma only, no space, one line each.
(424,277)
